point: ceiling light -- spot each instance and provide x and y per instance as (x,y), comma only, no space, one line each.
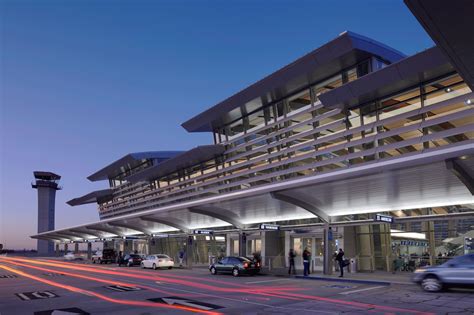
(469,102)
(447,90)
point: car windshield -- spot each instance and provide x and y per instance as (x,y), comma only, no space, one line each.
(460,261)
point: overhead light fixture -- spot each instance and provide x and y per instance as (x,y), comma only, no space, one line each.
(447,90)
(469,102)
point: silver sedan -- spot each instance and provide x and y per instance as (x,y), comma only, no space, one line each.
(457,272)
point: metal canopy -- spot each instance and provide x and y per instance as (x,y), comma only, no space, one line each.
(186,159)
(417,181)
(129,161)
(344,51)
(219,213)
(404,74)
(449,24)
(97,196)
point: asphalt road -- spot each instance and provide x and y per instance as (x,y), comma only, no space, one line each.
(41,286)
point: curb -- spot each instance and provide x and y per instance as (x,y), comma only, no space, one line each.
(347,280)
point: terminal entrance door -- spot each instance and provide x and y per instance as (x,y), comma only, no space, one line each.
(314,244)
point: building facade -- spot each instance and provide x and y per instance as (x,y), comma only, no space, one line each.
(318,150)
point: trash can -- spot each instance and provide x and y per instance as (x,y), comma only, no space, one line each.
(353,265)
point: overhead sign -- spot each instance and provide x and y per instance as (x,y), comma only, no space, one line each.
(383,218)
(205,232)
(174,300)
(273,227)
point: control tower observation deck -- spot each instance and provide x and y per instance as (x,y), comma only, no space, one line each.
(46,183)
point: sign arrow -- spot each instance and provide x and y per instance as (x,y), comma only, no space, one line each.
(172,301)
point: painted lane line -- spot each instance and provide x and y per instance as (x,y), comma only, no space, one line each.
(263,281)
(361,290)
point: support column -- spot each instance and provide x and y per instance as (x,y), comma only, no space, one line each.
(328,250)
(76,248)
(127,247)
(65,248)
(243,244)
(89,250)
(189,251)
(228,244)
(57,249)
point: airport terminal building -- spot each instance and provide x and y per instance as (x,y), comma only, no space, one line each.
(354,145)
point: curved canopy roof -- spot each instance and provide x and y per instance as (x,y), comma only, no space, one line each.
(398,76)
(186,159)
(130,161)
(345,51)
(449,24)
(92,197)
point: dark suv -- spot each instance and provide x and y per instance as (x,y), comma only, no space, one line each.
(236,266)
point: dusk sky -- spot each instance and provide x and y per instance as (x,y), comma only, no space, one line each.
(83,83)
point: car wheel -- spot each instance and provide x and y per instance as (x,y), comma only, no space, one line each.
(170,267)
(154,266)
(235,272)
(431,284)
(213,271)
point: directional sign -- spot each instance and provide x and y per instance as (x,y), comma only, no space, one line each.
(273,227)
(122,288)
(174,300)
(70,310)
(383,218)
(36,295)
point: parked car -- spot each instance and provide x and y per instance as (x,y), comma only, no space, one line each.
(157,261)
(72,256)
(130,260)
(105,256)
(457,272)
(236,266)
(97,257)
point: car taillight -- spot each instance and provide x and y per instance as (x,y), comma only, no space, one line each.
(258,264)
(246,265)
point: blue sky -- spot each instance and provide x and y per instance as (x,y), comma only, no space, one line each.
(84,82)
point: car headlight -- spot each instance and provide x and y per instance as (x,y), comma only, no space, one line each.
(420,270)
(130,260)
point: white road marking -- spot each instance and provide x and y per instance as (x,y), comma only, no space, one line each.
(263,281)
(361,290)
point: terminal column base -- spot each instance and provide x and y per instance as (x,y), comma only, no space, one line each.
(89,250)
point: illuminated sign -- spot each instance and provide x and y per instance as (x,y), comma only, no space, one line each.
(272,227)
(383,218)
(204,232)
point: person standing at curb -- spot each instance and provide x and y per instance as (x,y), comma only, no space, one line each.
(306,260)
(291,258)
(340,260)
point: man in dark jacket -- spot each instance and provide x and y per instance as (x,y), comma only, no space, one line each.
(340,260)
(291,259)
(306,260)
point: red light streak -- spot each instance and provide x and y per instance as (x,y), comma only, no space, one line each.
(106,298)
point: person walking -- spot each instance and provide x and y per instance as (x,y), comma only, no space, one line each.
(119,259)
(291,259)
(181,257)
(306,260)
(340,260)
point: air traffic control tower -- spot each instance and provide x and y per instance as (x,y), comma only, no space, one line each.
(46,183)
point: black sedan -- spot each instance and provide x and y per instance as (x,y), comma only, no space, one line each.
(131,260)
(236,266)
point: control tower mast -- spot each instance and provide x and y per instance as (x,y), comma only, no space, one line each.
(46,183)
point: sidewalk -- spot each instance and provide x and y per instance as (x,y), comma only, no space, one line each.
(377,277)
